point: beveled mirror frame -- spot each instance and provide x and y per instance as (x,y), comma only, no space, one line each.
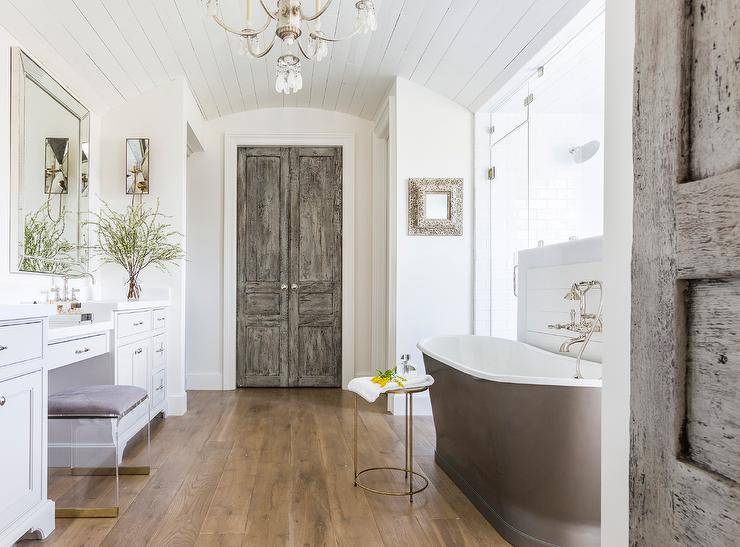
(419,224)
(24,66)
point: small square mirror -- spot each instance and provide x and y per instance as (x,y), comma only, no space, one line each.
(437,205)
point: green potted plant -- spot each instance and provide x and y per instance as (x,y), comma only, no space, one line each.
(135,240)
(45,248)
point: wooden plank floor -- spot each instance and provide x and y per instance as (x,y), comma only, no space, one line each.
(274,467)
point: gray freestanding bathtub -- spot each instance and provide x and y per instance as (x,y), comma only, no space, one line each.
(520,436)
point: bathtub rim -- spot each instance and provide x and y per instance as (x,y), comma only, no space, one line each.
(423,346)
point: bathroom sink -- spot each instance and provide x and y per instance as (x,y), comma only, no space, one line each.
(69,320)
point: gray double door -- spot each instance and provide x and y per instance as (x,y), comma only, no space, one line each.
(289,267)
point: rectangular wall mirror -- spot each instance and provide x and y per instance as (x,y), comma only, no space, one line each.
(50,168)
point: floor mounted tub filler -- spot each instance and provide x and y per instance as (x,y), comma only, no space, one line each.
(520,436)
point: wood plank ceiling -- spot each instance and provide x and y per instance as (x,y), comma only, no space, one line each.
(462,49)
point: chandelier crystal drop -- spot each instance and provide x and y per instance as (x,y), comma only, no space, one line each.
(289,23)
(289,79)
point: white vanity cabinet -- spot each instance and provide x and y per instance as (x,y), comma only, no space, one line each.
(133,363)
(140,343)
(23,437)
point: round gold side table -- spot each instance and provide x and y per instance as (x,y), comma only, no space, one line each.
(408,468)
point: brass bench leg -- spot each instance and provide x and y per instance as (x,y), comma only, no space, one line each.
(109,471)
(86,512)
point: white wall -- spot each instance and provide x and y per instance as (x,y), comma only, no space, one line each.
(618,181)
(161,115)
(28,287)
(205,231)
(433,138)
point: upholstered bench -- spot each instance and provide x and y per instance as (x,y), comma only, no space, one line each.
(103,402)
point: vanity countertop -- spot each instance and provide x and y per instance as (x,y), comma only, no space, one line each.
(58,333)
(116,305)
(8,312)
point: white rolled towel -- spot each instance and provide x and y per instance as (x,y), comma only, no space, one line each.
(370,391)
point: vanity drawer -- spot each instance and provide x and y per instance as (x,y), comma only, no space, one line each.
(159,387)
(71,351)
(21,342)
(159,318)
(133,323)
(159,343)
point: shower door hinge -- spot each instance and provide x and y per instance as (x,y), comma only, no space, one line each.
(540,71)
(528,99)
(491,173)
(492,129)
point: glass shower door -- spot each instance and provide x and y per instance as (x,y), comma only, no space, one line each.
(509,226)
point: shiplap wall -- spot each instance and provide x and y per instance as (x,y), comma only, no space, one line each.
(462,49)
(545,276)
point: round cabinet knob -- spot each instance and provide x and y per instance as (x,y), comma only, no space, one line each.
(294,286)
(283,287)
(3,400)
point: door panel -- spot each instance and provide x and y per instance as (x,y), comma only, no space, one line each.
(263,218)
(685,377)
(316,267)
(20,439)
(133,364)
(262,262)
(316,215)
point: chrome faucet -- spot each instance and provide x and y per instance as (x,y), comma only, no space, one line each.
(587,323)
(68,295)
(65,289)
(565,346)
(87,274)
(405,367)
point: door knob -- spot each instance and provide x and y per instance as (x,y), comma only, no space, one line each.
(283,287)
(294,286)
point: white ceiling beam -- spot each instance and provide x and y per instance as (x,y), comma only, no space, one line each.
(319,72)
(395,50)
(69,17)
(133,34)
(337,60)
(545,19)
(460,11)
(387,21)
(431,17)
(215,68)
(95,91)
(111,35)
(477,40)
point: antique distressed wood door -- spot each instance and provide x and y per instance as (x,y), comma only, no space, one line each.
(685,385)
(289,266)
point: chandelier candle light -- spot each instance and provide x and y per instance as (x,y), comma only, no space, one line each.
(289,18)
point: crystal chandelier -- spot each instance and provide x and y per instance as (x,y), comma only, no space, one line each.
(289,18)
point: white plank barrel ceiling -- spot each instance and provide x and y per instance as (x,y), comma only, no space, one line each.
(462,49)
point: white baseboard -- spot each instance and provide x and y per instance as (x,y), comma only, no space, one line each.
(204,381)
(177,405)
(422,404)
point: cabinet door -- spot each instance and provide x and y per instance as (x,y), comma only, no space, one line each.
(133,364)
(21,423)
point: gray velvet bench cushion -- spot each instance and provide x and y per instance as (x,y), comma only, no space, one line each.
(104,401)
